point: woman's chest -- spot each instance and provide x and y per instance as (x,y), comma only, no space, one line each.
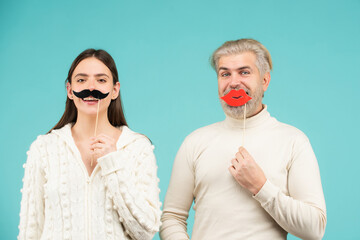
(87,156)
(68,182)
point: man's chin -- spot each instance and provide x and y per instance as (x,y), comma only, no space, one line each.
(233,112)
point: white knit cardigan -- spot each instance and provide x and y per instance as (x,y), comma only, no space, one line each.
(120,200)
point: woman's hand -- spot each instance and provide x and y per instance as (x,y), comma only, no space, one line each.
(102,145)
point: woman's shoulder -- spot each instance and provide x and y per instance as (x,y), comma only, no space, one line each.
(130,138)
(50,138)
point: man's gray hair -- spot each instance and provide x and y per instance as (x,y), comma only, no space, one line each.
(263,58)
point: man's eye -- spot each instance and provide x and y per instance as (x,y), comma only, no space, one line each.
(102,80)
(225,74)
(244,72)
(80,80)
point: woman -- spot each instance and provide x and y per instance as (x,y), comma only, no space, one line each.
(65,195)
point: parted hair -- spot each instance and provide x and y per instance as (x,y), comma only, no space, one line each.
(115,111)
(263,57)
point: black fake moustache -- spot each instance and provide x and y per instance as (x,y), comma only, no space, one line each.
(87,93)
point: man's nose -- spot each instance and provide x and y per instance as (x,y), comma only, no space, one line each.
(235,81)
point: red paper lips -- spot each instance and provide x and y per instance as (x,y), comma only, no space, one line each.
(236,98)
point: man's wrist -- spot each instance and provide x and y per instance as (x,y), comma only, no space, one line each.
(258,187)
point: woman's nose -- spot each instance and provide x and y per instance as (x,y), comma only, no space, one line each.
(91,85)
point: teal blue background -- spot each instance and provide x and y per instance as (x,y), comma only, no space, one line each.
(168,87)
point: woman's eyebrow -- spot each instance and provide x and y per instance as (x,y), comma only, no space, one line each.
(81,75)
(96,75)
(101,75)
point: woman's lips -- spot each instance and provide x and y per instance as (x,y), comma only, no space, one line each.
(236,98)
(90,102)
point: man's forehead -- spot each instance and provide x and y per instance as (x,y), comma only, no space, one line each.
(238,58)
(236,61)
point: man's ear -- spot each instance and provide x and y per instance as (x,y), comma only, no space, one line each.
(69,90)
(116,90)
(266,81)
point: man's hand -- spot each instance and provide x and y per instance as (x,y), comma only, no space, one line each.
(246,171)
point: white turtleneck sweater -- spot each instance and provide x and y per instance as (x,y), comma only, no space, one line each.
(120,200)
(290,201)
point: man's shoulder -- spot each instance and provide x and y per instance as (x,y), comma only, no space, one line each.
(289,131)
(204,133)
(201,138)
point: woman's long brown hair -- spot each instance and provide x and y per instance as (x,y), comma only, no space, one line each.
(115,111)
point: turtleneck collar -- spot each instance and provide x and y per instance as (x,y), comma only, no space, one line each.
(251,122)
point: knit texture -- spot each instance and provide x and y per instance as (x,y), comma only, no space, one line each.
(120,200)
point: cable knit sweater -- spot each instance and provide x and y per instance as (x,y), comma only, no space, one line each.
(120,200)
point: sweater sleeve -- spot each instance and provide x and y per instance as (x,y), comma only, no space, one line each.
(302,212)
(131,181)
(32,203)
(179,197)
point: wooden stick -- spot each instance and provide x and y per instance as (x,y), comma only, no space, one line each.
(243,136)
(97,117)
(96,123)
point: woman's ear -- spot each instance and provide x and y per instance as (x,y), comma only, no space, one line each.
(116,90)
(69,91)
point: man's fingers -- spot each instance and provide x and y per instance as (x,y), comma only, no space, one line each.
(234,162)
(244,153)
(232,170)
(239,157)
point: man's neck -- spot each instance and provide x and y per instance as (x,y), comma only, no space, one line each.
(257,111)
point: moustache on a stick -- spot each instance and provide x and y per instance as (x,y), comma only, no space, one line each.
(87,93)
(95,94)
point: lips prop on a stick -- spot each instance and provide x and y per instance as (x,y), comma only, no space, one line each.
(236,98)
(97,95)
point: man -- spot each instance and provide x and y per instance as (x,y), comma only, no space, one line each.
(261,183)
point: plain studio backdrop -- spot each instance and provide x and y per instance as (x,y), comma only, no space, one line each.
(168,88)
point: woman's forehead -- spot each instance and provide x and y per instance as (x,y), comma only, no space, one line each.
(91,67)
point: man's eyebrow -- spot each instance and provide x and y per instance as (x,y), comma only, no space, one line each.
(240,68)
(223,68)
(244,67)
